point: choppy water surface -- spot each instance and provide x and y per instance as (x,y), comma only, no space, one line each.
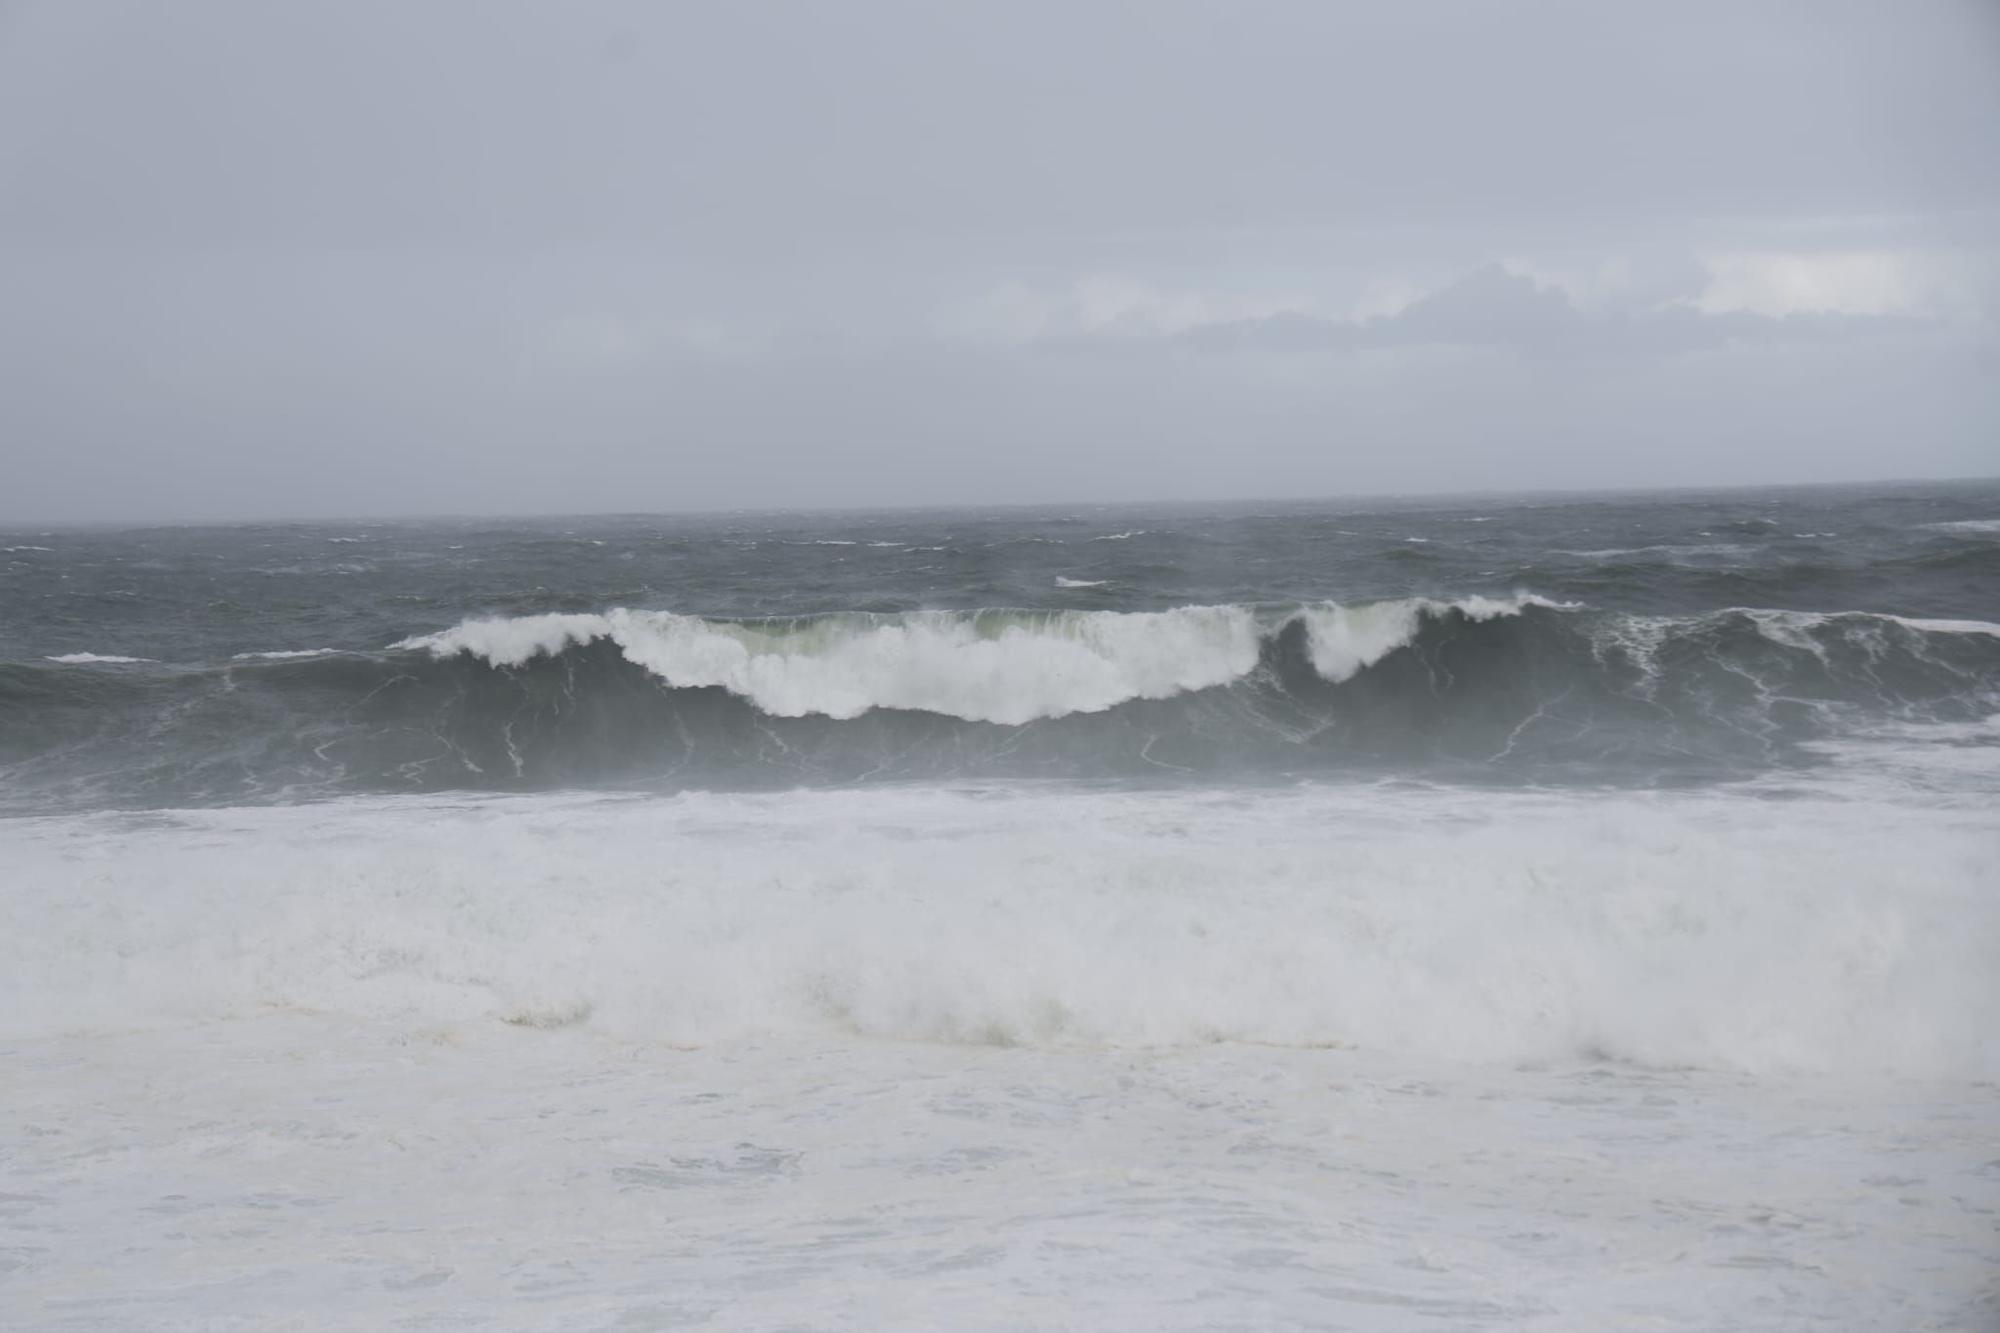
(1669,639)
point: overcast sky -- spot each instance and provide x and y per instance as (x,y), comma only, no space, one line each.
(346,258)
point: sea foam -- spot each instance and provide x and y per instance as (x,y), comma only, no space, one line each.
(1718,931)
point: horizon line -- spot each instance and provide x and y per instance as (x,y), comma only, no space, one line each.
(1573,493)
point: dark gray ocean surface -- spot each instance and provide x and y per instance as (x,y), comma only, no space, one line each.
(1662,638)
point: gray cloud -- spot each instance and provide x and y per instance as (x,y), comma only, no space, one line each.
(1492,307)
(375,122)
(380,257)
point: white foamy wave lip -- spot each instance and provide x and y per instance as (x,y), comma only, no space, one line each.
(1004,667)
(1063,581)
(1948,626)
(1789,626)
(1346,640)
(1967,525)
(98,659)
(1007,667)
(284,654)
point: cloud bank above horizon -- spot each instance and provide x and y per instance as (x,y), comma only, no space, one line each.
(384,259)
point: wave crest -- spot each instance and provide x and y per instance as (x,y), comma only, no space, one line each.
(988,666)
(1476,687)
(1008,667)
(1345,640)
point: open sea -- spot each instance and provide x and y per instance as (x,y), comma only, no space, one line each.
(1533,912)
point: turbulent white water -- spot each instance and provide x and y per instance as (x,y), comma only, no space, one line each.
(988,666)
(1709,932)
(993,667)
(1383,1057)
(1346,639)
(308,1172)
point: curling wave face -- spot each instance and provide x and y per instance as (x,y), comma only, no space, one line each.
(1474,685)
(1008,667)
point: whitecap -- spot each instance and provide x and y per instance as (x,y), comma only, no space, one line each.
(95,659)
(993,666)
(1948,626)
(1345,640)
(999,666)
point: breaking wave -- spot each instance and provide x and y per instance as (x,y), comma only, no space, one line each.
(1008,667)
(1477,685)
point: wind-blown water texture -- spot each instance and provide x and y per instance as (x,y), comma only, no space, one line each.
(1627,641)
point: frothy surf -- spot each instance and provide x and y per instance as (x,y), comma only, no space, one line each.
(1696,931)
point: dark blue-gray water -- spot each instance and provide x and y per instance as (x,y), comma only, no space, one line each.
(1648,639)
